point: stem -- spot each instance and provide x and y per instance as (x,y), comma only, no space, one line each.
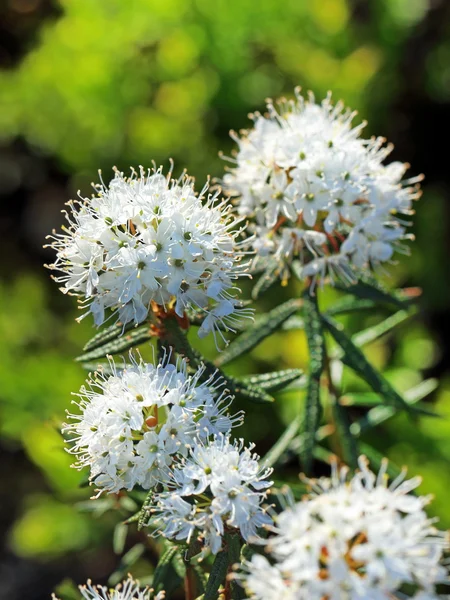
(189,583)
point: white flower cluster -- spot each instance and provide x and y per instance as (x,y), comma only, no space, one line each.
(150,239)
(134,423)
(319,192)
(357,539)
(128,590)
(219,484)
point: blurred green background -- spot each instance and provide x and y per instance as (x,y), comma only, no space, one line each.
(89,84)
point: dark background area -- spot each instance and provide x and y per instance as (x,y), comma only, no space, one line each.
(90,84)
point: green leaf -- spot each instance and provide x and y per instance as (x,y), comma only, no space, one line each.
(347,440)
(367,288)
(266,280)
(293,323)
(413,395)
(313,408)
(381,413)
(107,335)
(274,381)
(128,560)
(252,393)
(255,334)
(371,334)
(144,513)
(217,576)
(200,578)
(119,537)
(283,444)
(234,558)
(350,304)
(163,569)
(355,359)
(179,565)
(131,339)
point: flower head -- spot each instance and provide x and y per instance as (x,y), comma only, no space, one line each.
(127,590)
(135,421)
(149,239)
(318,192)
(218,484)
(351,539)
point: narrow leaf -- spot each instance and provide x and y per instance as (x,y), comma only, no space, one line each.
(217,575)
(234,558)
(381,413)
(119,537)
(348,441)
(371,334)
(128,560)
(144,513)
(236,387)
(350,304)
(255,334)
(293,323)
(415,394)
(200,578)
(179,565)
(274,381)
(163,568)
(133,338)
(316,346)
(355,359)
(282,445)
(107,335)
(368,288)
(266,280)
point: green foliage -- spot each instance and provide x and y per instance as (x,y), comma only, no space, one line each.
(125,82)
(263,327)
(316,345)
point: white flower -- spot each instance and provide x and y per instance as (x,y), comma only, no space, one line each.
(304,169)
(220,483)
(134,422)
(149,239)
(127,590)
(353,539)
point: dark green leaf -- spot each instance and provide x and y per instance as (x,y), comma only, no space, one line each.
(236,387)
(267,279)
(274,381)
(234,559)
(265,326)
(355,359)
(201,578)
(316,346)
(347,440)
(107,335)
(144,513)
(179,565)
(131,339)
(350,304)
(217,575)
(163,569)
(368,288)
